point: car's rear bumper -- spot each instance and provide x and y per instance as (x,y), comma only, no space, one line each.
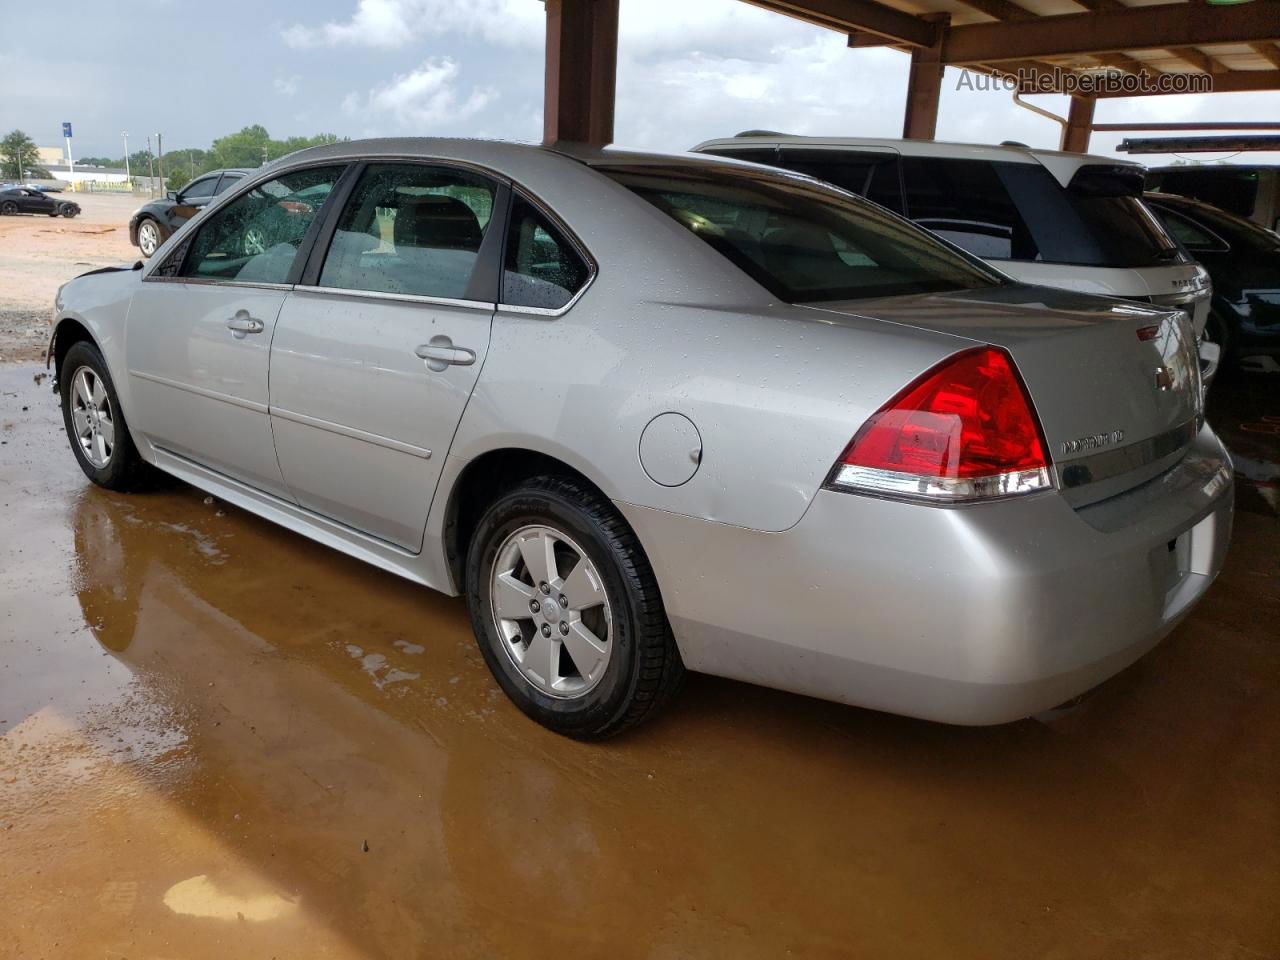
(972,615)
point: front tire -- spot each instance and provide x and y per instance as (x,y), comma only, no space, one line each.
(69,212)
(95,424)
(566,610)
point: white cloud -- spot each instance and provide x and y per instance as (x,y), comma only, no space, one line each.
(395,23)
(421,99)
(287,86)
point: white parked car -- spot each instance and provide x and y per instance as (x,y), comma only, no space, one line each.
(1067,220)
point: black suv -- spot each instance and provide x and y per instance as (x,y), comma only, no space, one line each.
(153,223)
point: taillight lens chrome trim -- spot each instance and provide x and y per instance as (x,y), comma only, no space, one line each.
(890,483)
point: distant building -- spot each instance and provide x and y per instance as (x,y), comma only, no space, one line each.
(51,155)
(59,171)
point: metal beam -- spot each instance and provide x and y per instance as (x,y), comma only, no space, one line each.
(924,86)
(1198,59)
(1192,125)
(1133,28)
(581,71)
(1268,52)
(852,15)
(1075,135)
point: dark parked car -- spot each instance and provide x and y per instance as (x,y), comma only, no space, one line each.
(1243,259)
(30,200)
(153,223)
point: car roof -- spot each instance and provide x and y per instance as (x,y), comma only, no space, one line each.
(925,148)
(504,156)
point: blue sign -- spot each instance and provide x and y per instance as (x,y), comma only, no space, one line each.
(66,130)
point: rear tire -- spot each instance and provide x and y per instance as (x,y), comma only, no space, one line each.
(8,208)
(622,617)
(95,424)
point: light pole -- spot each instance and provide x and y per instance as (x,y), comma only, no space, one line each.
(127,175)
(160,160)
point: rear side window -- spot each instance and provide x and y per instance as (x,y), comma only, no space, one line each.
(966,202)
(869,174)
(1018,211)
(541,267)
(229,180)
(1189,234)
(255,238)
(410,229)
(803,242)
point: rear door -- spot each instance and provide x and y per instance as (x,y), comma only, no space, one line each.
(376,353)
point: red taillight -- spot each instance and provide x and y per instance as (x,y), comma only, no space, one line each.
(965,430)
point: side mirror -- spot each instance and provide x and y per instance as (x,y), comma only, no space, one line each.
(172,194)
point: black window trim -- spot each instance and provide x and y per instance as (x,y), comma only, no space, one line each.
(153,272)
(482,290)
(579,247)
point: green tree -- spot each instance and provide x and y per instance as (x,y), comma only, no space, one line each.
(19,157)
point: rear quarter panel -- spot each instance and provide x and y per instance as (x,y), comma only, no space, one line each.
(775,393)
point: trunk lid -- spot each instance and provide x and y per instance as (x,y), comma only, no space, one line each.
(1116,384)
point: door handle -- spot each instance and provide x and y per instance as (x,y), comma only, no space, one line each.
(242,323)
(441,353)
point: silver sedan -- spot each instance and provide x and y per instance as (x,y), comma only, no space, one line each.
(657,413)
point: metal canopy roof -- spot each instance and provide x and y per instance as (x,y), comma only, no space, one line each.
(1236,44)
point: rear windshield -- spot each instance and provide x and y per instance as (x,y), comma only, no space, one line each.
(1018,211)
(800,240)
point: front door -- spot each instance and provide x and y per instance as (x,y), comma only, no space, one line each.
(200,326)
(372,365)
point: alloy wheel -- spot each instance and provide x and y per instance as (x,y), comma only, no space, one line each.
(551,611)
(92,416)
(148,238)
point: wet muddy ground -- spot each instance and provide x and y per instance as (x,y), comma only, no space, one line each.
(219,740)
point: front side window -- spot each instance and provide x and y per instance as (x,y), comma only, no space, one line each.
(410,229)
(255,238)
(803,241)
(541,268)
(200,190)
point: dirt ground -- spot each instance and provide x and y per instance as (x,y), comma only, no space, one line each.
(37,254)
(220,740)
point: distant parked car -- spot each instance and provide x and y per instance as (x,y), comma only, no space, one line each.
(44,188)
(30,200)
(1247,190)
(153,223)
(1244,261)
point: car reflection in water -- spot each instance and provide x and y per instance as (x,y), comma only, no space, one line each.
(312,727)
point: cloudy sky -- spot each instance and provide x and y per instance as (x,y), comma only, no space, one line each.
(688,70)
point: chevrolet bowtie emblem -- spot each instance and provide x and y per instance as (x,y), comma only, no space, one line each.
(1164,379)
